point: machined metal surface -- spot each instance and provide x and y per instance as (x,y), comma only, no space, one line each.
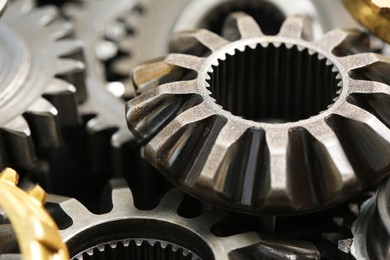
(127,232)
(265,124)
(371,231)
(41,73)
(372,14)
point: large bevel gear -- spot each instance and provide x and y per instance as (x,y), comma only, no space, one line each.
(39,75)
(371,231)
(126,232)
(160,19)
(107,110)
(266,124)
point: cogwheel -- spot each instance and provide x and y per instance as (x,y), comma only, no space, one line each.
(107,110)
(371,231)
(139,28)
(265,124)
(126,232)
(36,231)
(39,76)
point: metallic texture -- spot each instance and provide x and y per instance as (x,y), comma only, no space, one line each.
(265,124)
(105,109)
(126,232)
(371,231)
(39,75)
(372,14)
(172,16)
(37,233)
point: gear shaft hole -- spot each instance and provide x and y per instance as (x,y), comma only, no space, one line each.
(274,84)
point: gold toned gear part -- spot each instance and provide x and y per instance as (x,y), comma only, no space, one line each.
(372,14)
(37,233)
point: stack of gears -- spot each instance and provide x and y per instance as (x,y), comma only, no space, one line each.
(195,129)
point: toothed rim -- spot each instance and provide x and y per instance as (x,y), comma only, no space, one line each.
(257,167)
(39,75)
(125,222)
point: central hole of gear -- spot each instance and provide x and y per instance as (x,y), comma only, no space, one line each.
(274,84)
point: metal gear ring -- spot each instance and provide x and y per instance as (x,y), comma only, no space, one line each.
(265,124)
(39,74)
(126,232)
(371,231)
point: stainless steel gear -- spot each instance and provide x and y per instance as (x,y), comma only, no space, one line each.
(265,124)
(371,231)
(126,232)
(39,75)
(107,125)
(159,19)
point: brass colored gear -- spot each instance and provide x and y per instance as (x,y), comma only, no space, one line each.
(37,233)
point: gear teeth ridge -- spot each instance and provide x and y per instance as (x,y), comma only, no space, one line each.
(224,150)
(46,103)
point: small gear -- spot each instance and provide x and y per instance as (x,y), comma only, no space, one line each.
(265,124)
(39,75)
(126,232)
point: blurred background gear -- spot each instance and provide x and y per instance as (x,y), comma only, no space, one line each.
(125,232)
(37,233)
(372,14)
(309,136)
(371,231)
(42,82)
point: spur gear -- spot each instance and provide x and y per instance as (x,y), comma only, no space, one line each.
(106,110)
(265,124)
(126,232)
(371,231)
(39,75)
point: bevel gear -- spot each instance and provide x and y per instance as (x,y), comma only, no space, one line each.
(140,27)
(126,232)
(39,75)
(371,231)
(265,124)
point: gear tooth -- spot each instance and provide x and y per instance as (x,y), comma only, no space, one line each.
(200,129)
(9,175)
(44,15)
(356,61)
(74,209)
(97,124)
(160,109)
(107,50)
(72,10)
(59,29)
(303,147)
(184,61)
(331,40)
(297,27)
(69,48)
(45,128)
(240,158)
(188,42)
(18,140)
(121,195)
(170,202)
(38,194)
(239,26)
(210,218)
(63,96)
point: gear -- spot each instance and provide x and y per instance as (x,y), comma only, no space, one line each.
(373,14)
(265,124)
(371,231)
(129,233)
(107,111)
(37,233)
(39,76)
(139,31)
